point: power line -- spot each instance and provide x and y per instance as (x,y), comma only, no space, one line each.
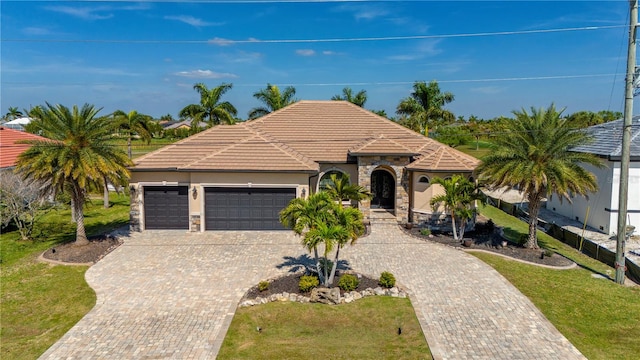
(224,42)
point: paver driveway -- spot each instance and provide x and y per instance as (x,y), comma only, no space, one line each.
(170,294)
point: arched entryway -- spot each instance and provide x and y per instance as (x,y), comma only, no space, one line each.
(383,189)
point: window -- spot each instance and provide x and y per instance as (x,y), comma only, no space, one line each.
(326,178)
(424,180)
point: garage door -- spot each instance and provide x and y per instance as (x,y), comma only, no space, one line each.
(245,209)
(166,207)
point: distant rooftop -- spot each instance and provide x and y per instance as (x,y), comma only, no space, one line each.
(607,140)
(10,146)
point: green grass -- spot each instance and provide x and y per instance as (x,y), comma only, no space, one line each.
(364,329)
(514,228)
(40,302)
(484,148)
(140,147)
(599,317)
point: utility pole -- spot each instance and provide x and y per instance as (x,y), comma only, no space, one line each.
(626,145)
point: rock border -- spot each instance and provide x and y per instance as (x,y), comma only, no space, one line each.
(346,298)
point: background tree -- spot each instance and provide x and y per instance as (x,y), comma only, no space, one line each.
(273,99)
(458,199)
(453,135)
(534,154)
(13,113)
(132,124)
(347,95)
(21,202)
(80,154)
(583,119)
(424,109)
(210,109)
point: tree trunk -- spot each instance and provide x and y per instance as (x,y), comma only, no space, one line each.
(106,194)
(534,209)
(315,253)
(81,235)
(129,145)
(453,226)
(73,209)
(335,265)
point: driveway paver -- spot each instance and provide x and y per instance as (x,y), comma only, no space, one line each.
(172,295)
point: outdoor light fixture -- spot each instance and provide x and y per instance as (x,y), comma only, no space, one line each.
(303,192)
(194,191)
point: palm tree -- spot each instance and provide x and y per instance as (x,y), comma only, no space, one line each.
(340,188)
(79,155)
(351,226)
(458,199)
(273,100)
(535,156)
(424,108)
(211,109)
(131,124)
(13,113)
(347,95)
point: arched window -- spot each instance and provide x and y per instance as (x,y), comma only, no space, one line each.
(326,178)
(424,179)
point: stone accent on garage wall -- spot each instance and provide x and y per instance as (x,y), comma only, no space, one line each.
(194,223)
(395,165)
(134,211)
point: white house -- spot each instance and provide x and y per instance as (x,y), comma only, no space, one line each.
(600,210)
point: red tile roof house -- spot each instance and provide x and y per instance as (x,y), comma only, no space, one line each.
(10,147)
(239,177)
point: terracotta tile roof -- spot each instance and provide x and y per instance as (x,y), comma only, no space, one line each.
(298,138)
(9,148)
(444,158)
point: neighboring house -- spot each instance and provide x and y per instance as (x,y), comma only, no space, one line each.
(10,148)
(601,209)
(239,177)
(185,124)
(18,124)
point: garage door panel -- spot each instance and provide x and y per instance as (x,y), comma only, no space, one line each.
(166,207)
(245,209)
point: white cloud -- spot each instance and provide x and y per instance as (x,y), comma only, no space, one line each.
(205,74)
(36,31)
(305,52)
(220,41)
(85,13)
(363,12)
(190,20)
(328,52)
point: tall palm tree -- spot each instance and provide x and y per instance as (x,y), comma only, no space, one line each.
(458,199)
(424,108)
(79,155)
(131,124)
(340,188)
(211,109)
(13,113)
(347,95)
(273,99)
(535,155)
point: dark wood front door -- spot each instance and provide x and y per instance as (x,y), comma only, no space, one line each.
(383,189)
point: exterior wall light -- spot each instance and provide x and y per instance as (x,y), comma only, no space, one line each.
(194,192)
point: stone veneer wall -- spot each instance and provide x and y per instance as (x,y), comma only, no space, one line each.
(134,212)
(394,164)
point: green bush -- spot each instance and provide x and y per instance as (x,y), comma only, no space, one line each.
(263,285)
(425,232)
(308,282)
(348,282)
(387,280)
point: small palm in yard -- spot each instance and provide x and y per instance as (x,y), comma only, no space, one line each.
(459,196)
(340,188)
(534,154)
(79,155)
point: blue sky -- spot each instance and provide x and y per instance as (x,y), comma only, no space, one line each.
(494,57)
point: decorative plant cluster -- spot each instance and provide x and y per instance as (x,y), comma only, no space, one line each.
(425,232)
(263,286)
(308,282)
(387,280)
(348,282)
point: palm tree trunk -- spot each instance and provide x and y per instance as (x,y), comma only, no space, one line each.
(453,226)
(105,198)
(129,145)
(315,253)
(534,209)
(335,266)
(81,235)
(73,209)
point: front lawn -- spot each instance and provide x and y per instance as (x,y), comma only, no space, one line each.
(40,302)
(364,329)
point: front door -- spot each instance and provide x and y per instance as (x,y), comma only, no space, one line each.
(383,189)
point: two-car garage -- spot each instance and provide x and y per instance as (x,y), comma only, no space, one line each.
(225,208)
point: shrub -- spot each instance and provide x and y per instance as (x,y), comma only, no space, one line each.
(387,280)
(490,226)
(263,285)
(548,253)
(308,282)
(348,282)
(523,239)
(425,232)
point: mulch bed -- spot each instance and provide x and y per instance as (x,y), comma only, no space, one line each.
(98,247)
(289,284)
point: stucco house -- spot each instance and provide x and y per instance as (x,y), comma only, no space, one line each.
(602,207)
(239,177)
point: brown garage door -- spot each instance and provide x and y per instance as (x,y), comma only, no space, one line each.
(245,208)
(166,207)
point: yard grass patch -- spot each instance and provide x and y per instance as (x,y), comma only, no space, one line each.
(596,315)
(40,302)
(364,329)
